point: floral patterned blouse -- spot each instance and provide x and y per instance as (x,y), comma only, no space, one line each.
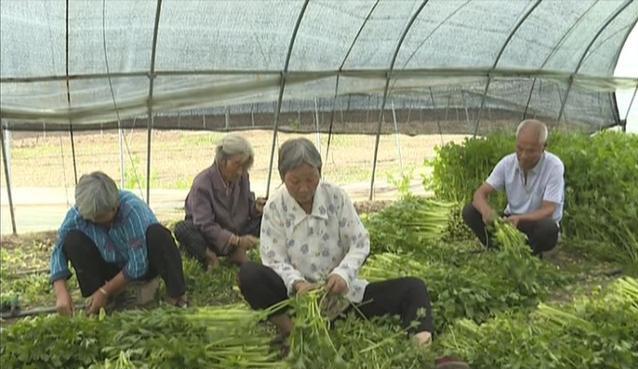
(331,239)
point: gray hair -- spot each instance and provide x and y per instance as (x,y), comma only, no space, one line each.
(537,126)
(234,144)
(295,152)
(96,194)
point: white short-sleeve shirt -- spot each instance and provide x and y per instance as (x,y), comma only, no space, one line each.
(545,182)
(331,239)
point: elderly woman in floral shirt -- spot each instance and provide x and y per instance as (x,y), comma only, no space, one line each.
(311,235)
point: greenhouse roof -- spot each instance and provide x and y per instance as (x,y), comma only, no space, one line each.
(88,61)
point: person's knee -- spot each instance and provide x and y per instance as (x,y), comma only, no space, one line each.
(75,241)
(545,235)
(157,234)
(416,286)
(249,274)
(470,213)
(547,229)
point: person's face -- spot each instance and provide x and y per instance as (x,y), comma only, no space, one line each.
(528,149)
(105,219)
(302,183)
(234,167)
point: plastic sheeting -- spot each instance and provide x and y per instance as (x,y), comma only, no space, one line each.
(226,59)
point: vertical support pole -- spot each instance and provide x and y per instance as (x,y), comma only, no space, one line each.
(396,135)
(318,136)
(122,168)
(7,178)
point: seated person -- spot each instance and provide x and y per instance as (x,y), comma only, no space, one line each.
(533,182)
(311,235)
(111,237)
(222,215)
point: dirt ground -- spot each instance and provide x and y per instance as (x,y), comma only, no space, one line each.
(42,167)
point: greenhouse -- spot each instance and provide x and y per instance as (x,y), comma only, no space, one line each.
(410,106)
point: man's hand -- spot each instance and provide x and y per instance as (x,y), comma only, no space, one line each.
(259,204)
(514,220)
(247,242)
(488,216)
(303,287)
(336,285)
(98,300)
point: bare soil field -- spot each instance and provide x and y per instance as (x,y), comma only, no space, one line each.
(42,167)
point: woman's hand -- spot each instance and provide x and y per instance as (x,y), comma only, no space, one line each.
(63,302)
(336,285)
(259,204)
(98,300)
(248,242)
(303,287)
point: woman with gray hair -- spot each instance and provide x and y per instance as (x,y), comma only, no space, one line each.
(222,215)
(312,237)
(111,237)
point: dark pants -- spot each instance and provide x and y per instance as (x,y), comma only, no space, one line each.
(542,235)
(194,243)
(262,288)
(93,271)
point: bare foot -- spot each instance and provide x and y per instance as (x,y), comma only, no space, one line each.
(180,301)
(423,339)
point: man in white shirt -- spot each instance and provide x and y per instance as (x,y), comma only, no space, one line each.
(533,181)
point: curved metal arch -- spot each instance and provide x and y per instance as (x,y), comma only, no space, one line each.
(385,91)
(435,29)
(614,97)
(282,86)
(343,62)
(604,41)
(609,19)
(624,41)
(560,42)
(631,103)
(149,121)
(498,58)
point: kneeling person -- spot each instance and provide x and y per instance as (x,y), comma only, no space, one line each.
(222,215)
(112,237)
(533,182)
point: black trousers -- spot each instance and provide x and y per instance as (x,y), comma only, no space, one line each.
(93,271)
(542,235)
(195,245)
(262,288)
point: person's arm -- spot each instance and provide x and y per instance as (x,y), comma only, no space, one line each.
(60,269)
(495,182)
(102,295)
(354,237)
(273,249)
(63,300)
(204,217)
(480,201)
(546,211)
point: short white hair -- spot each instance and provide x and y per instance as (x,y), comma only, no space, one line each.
(539,127)
(234,144)
(96,194)
(295,152)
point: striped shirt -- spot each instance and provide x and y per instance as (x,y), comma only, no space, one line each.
(123,244)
